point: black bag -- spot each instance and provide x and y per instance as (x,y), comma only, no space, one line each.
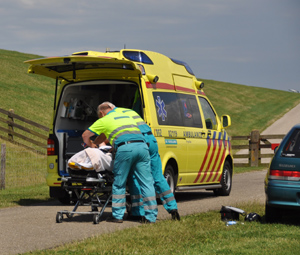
(230,213)
(253,217)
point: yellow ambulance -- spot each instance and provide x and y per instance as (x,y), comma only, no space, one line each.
(193,144)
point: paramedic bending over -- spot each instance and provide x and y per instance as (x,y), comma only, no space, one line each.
(160,183)
(132,157)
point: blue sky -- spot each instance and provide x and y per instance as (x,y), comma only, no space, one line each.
(254,43)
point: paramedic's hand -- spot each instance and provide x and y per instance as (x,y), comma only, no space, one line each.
(94,145)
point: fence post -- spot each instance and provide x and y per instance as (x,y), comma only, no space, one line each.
(11,127)
(254,150)
(3,166)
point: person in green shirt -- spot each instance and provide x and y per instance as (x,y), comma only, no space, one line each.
(131,157)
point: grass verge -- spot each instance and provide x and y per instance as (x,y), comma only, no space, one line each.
(24,195)
(203,233)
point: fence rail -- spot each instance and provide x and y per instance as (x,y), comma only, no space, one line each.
(18,134)
(32,137)
(255,142)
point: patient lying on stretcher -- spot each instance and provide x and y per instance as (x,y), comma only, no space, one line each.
(98,159)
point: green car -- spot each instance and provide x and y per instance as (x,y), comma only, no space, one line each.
(282,182)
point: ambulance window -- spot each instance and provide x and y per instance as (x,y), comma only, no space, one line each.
(167,108)
(187,67)
(209,115)
(137,56)
(190,111)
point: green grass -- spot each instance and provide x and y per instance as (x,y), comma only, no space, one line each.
(24,195)
(203,233)
(31,96)
(249,107)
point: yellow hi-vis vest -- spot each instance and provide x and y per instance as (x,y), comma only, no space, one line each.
(137,118)
(117,128)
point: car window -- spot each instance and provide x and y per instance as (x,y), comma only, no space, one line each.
(292,146)
(209,114)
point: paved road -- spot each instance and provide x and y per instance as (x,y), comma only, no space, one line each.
(279,127)
(28,228)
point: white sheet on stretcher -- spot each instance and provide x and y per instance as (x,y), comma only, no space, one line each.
(91,159)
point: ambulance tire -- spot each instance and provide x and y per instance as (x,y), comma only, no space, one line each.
(65,198)
(170,177)
(226,181)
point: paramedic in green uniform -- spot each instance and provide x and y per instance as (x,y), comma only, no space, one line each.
(131,157)
(161,185)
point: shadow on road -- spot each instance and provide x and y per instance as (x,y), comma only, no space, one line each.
(186,196)
(183,196)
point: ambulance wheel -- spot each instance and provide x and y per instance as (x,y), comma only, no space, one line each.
(59,217)
(96,218)
(170,177)
(67,199)
(226,181)
(64,198)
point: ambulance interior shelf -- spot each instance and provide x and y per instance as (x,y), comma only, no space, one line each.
(73,143)
(79,109)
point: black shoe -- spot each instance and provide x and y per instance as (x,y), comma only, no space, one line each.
(134,218)
(114,220)
(145,221)
(175,214)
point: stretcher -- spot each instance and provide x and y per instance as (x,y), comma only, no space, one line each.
(92,187)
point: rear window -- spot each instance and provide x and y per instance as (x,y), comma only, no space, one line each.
(292,146)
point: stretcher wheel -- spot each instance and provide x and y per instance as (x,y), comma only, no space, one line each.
(59,217)
(94,209)
(96,218)
(69,215)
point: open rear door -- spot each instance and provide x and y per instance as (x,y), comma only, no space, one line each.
(78,68)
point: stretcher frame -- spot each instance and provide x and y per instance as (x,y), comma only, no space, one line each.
(91,188)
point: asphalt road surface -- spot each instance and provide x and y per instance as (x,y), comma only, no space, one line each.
(28,228)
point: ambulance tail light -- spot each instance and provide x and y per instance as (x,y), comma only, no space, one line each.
(50,147)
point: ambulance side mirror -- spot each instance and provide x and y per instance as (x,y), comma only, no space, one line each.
(226,121)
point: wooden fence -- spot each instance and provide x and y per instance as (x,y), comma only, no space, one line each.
(33,137)
(255,142)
